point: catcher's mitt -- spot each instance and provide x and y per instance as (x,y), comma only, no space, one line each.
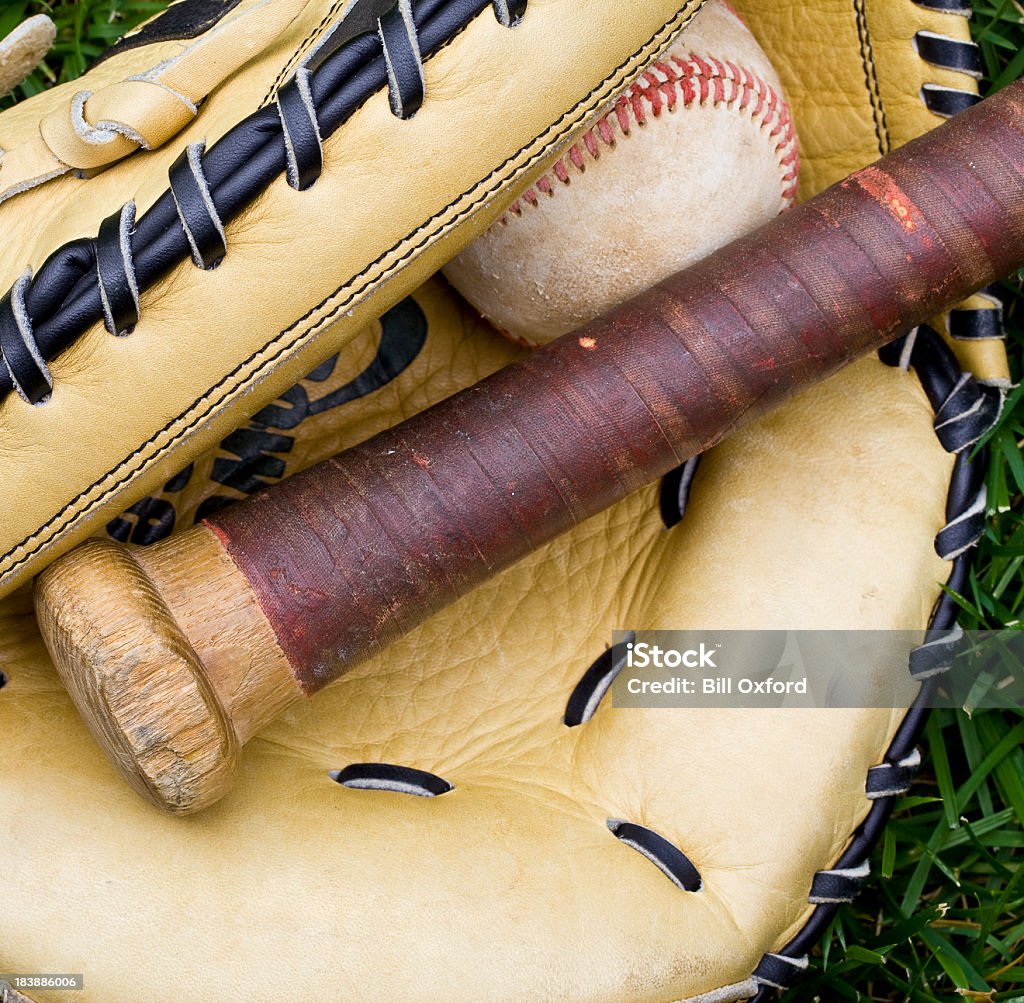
(843,510)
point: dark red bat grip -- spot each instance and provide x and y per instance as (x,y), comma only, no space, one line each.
(357,550)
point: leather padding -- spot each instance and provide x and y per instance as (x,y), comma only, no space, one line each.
(190,377)
(510,885)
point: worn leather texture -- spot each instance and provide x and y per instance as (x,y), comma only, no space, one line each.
(510,886)
(202,359)
(624,208)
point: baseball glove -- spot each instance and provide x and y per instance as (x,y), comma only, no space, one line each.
(152,339)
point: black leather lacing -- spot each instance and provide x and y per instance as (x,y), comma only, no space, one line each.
(949,54)
(978,323)
(675,492)
(890,779)
(115,272)
(402,55)
(948,101)
(934,657)
(965,411)
(665,855)
(391,777)
(23,364)
(947,6)
(200,220)
(379,43)
(590,690)
(937,369)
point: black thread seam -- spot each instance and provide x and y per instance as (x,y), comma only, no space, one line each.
(302,51)
(867,55)
(660,39)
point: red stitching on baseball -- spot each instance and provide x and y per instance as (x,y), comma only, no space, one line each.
(694,79)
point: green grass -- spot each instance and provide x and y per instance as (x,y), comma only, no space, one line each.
(942,918)
(84,30)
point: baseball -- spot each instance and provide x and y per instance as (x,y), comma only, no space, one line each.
(697,152)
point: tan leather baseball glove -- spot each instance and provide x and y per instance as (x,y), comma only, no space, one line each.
(240,195)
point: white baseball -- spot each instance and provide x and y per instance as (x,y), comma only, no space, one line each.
(698,152)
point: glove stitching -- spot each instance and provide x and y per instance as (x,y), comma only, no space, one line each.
(938,371)
(481,192)
(956,55)
(311,40)
(867,55)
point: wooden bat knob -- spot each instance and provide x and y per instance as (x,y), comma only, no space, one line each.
(177,655)
(170,694)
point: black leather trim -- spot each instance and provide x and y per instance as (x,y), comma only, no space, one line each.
(966,415)
(832,886)
(947,101)
(184,19)
(510,12)
(935,657)
(389,777)
(402,53)
(666,856)
(947,6)
(956,537)
(64,298)
(595,682)
(204,231)
(30,377)
(889,777)
(978,323)
(112,274)
(939,372)
(777,971)
(303,136)
(950,53)
(675,492)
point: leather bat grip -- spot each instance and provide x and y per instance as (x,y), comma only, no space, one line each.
(334,563)
(354,552)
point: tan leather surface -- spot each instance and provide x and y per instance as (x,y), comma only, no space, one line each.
(852,73)
(202,358)
(511,886)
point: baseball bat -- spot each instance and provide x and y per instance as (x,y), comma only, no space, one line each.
(178,654)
